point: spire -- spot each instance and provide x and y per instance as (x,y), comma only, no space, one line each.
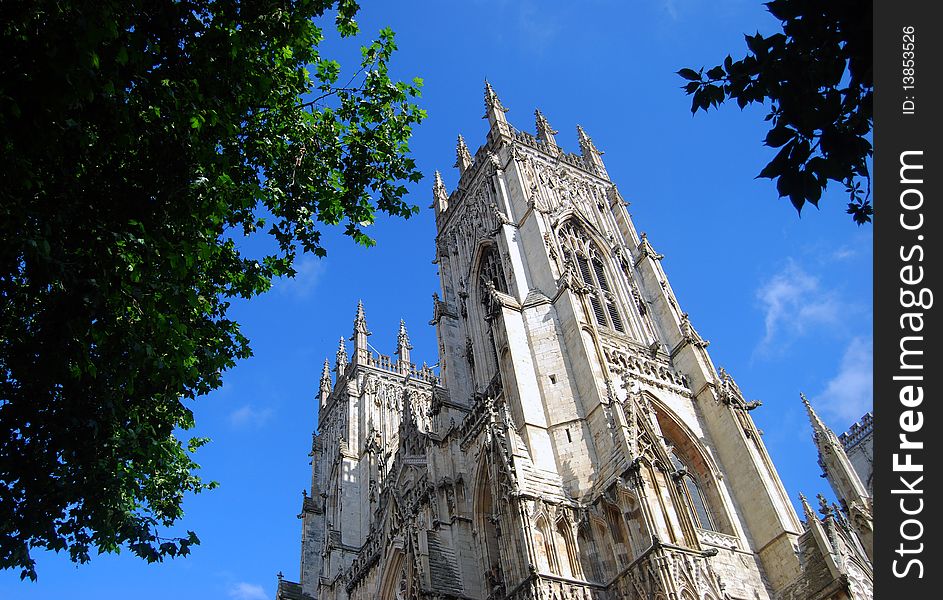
(325,382)
(843,478)
(463,158)
(326,374)
(360,320)
(544,130)
(820,432)
(340,364)
(440,196)
(809,513)
(494,111)
(361,352)
(403,346)
(591,155)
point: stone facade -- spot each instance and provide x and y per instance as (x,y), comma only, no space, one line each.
(858,443)
(577,441)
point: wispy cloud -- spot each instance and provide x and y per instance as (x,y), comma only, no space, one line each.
(537,27)
(249,416)
(850,393)
(671,8)
(247,591)
(309,270)
(795,302)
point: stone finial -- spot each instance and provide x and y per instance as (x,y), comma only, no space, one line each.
(592,156)
(360,320)
(819,429)
(340,363)
(440,196)
(586,144)
(325,390)
(463,158)
(494,111)
(809,513)
(326,374)
(824,508)
(544,131)
(402,343)
(361,353)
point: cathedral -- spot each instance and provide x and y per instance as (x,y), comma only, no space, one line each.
(576,441)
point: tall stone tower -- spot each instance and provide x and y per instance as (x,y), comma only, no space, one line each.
(844,480)
(578,442)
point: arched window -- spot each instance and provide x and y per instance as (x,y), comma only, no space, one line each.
(490,273)
(692,491)
(589,554)
(543,545)
(586,258)
(486,521)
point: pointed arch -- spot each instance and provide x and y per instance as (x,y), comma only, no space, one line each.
(567,560)
(696,469)
(486,518)
(585,252)
(543,545)
(393,575)
(588,552)
(486,266)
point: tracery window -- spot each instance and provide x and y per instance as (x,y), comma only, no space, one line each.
(491,273)
(587,259)
(695,497)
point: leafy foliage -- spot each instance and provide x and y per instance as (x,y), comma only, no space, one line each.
(137,139)
(817,76)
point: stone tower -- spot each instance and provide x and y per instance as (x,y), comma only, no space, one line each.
(577,443)
(844,480)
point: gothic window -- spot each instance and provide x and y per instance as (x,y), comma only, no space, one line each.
(543,544)
(692,490)
(490,273)
(565,550)
(487,522)
(618,535)
(589,554)
(586,258)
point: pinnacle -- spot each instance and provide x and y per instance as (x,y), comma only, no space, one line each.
(543,125)
(463,157)
(490,96)
(584,138)
(817,425)
(806,508)
(402,340)
(491,99)
(326,371)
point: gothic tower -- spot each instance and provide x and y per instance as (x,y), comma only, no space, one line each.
(578,441)
(843,479)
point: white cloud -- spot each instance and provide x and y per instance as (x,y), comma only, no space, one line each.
(850,393)
(538,29)
(795,302)
(670,8)
(843,253)
(309,270)
(247,591)
(248,416)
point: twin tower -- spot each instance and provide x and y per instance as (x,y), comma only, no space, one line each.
(577,441)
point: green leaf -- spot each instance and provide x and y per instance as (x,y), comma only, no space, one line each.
(689,74)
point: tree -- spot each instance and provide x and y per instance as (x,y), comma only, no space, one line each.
(138,140)
(818,78)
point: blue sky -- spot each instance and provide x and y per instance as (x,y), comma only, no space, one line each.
(785,301)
